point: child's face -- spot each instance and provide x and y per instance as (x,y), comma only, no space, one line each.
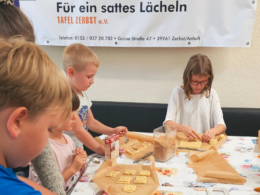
(82,80)
(68,125)
(198,83)
(32,139)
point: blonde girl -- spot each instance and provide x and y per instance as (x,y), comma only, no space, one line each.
(194,107)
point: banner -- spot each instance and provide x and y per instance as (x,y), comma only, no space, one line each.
(142,23)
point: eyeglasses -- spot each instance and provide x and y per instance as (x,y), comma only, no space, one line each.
(201,83)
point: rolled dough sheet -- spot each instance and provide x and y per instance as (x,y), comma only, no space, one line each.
(190,144)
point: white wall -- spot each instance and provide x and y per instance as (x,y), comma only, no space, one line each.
(149,74)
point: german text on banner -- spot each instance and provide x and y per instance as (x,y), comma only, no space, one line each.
(142,23)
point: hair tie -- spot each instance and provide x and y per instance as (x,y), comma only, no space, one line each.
(7,2)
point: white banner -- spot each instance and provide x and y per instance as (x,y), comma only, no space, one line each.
(142,23)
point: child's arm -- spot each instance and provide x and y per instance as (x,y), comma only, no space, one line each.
(217,114)
(43,190)
(79,161)
(50,178)
(98,127)
(86,138)
(189,132)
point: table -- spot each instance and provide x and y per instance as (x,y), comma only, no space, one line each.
(242,153)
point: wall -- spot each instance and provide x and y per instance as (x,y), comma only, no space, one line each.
(149,74)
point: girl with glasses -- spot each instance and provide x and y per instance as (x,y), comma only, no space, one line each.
(194,107)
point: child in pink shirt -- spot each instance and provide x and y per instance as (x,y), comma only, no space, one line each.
(71,164)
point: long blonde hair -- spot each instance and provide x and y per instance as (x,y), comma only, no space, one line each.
(28,78)
(198,64)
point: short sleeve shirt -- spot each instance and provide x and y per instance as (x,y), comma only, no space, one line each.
(85,104)
(10,184)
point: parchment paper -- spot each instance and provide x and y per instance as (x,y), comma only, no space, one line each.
(133,139)
(110,186)
(210,167)
(204,146)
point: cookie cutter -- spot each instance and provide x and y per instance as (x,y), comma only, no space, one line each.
(223,190)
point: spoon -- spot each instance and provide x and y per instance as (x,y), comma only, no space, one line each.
(94,159)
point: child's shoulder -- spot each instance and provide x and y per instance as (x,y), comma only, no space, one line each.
(178,90)
(213,93)
(10,184)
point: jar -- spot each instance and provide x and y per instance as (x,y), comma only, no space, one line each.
(164,141)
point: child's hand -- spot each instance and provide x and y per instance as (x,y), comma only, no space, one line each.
(208,135)
(120,130)
(77,151)
(79,161)
(190,133)
(121,151)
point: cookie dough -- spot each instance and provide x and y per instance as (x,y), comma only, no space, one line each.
(129,172)
(139,147)
(221,136)
(129,188)
(112,173)
(148,144)
(213,141)
(190,144)
(131,151)
(124,180)
(140,179)
(144,173)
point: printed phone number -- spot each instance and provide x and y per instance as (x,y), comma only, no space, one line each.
(140,38)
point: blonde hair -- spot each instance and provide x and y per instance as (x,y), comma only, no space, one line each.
(198,64)
(14,22)
(30,79)
(78,56)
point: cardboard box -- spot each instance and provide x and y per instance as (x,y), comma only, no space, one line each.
(112,146)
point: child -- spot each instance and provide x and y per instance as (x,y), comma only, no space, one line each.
(81,64)
(63,147)
(30,105)
(194,107)
(14,22)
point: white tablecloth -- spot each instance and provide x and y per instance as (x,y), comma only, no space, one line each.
(241,153)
